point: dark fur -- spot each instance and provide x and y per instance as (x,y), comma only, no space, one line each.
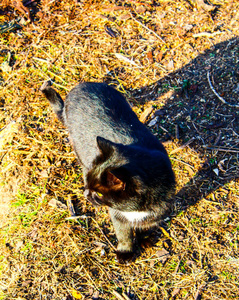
(125,167)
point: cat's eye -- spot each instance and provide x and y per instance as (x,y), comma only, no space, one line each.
(99,194)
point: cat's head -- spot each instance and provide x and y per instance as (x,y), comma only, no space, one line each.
(128,178)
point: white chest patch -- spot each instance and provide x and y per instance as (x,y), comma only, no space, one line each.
(135,216)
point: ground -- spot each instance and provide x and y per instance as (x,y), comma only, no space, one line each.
(177,63)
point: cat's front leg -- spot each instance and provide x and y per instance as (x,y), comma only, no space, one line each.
(124,234)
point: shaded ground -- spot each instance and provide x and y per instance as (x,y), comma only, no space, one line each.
(169,58)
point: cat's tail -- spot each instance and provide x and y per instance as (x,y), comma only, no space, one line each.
(54,98)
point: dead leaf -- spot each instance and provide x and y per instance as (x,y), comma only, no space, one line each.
(57,204)
(125,17)
(163,255)
(221,165)
(19,245)
(5,67)
(153,122)
(76,294)
(99,247)
(170,65)
(159,56)
(150,56)
(96,295)
(140,9)
(43,174)
(114,8)
(175,291)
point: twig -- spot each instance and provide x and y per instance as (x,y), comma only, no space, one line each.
(218,96)
(218,139)
(222,149)
(72,212)
(183,146)
(117,295)
(41,60)
(196,297)
(125,296)
(71,207)
(207,34)
(176,132)
(150,30)
(183,162)
(164,129)
(111,245)
(75,218)
(127,60)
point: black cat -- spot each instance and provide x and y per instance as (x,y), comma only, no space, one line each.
(125,167)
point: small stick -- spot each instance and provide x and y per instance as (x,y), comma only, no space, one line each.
(218,96)
(72,212)
(164,129)
(218,139)
(117,295)
(183,162)
(150,30)
(125,296)
(222,149)
(183,146)
(207,34)
(176,132)
(71,207)
(102,232)
(196,297)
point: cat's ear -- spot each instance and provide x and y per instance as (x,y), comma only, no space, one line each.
(114,183)
(118,178)
(128,177)
(106,147)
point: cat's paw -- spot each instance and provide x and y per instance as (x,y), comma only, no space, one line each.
(125,257)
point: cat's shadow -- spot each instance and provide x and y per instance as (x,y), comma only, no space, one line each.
(192,112)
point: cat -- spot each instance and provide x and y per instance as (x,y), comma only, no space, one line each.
(125,167)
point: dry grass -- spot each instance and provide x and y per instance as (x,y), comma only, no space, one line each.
(159,57)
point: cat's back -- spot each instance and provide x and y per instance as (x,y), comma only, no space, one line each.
(97,96)
(101,107)
(97,109)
